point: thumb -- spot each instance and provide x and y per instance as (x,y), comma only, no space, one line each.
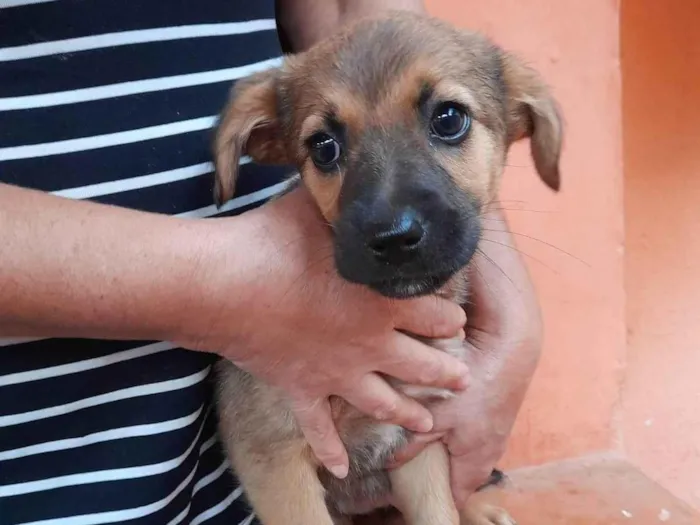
(314,418)
(431,317)
(414,447)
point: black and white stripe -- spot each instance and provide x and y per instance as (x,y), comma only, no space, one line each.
(114,101)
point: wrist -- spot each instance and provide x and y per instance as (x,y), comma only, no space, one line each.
(505,376)
(246,264)
(214,283)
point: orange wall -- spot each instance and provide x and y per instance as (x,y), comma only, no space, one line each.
(573,403)
(661,79)
(621,363)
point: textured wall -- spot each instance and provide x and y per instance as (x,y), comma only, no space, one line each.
(661,93)
(572,407)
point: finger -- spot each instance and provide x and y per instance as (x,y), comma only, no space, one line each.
(318,428)
(432,317)
(415,447)
(374,397)
(416,363)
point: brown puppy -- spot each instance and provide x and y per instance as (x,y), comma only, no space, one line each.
(399,127)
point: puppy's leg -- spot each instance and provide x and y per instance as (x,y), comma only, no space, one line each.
(282,485)
(421,489)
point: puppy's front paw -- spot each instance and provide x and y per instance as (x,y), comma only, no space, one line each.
(482,514)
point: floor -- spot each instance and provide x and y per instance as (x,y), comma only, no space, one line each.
(598,490)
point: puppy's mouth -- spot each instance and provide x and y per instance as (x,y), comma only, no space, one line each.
(406,288)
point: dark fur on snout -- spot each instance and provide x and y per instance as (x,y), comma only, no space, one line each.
(392,171)
(404,206)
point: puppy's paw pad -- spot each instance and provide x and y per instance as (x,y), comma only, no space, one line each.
(487,515)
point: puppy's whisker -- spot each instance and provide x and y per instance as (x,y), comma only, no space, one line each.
(500,201)
(301,239)
(305,271)
(514,209)
(497,204)
(545,243)
(481,275)
(524,254)
(289,242)
(496,265)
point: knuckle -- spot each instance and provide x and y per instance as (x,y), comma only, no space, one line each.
(448,316)
(430,373)
(387,410)
(315,424)
(319,430)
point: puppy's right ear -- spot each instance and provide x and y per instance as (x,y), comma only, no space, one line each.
(533,113)
(249,125)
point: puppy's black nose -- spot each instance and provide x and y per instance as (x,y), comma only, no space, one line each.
(396,241)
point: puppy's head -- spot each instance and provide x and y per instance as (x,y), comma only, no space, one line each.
(400,127)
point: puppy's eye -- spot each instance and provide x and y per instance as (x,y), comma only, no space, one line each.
(324,151)
(450,123)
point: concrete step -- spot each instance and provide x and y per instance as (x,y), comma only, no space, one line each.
(596,490)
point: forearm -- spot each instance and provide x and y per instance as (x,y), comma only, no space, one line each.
(508,331)
(79,269)
(305,22)
(508,377)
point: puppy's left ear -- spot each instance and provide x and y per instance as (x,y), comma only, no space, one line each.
(533,113)
(248,124)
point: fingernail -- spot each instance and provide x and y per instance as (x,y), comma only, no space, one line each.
(339,471)
(425,425)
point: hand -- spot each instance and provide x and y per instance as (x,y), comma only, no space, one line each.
(503,341)
(298,326)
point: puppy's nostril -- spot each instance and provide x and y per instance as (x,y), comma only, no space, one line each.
(403,236)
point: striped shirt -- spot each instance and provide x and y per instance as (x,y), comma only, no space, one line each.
(114,101)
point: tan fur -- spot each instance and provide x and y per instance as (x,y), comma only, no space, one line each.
(421,488)
(269,117)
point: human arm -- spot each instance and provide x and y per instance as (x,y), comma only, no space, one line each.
(79,269)
(305,22)
(259,289)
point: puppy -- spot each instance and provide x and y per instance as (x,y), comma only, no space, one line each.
(399,126)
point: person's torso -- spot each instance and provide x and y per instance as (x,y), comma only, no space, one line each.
(114,101)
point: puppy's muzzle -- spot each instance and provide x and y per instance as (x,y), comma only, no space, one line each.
(405,249)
